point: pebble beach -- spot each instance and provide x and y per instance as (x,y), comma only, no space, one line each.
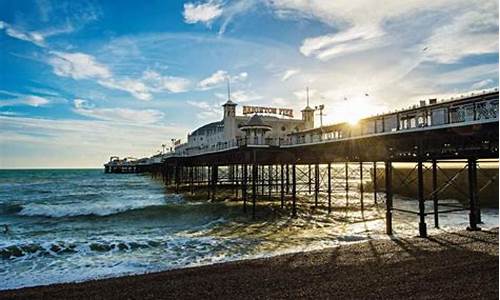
(451,265)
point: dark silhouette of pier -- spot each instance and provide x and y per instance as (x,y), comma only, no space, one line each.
(461,131)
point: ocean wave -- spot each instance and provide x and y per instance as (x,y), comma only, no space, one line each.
(101,208)
(31,250)
(173,205)
(10,208)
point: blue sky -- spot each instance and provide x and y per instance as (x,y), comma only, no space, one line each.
(83,80)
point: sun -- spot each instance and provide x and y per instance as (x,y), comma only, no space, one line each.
(354,109)
(353,118)
(352,121)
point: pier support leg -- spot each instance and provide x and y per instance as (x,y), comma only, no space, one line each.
(329,187)
(309,177)
(209,181)
(434,193)
(388,194)
(316,185)
(294,191)
(167,175)
(269,181)
(162,171)
(236,180)
(191,180)
(472,194)
(361,188)
(288,179)
(262,179)
(375,187)
(422,226)
(255,174)
(478,205)
(347,183)
(276,176)
(177,178)
(197,176)
(244,181)
(215,175)
(282,186)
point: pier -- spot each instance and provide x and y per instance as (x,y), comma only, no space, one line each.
(462,131)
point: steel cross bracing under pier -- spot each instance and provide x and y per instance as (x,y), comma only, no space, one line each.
(284,174)
(319,170)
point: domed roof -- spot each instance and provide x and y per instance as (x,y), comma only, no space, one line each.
(229,103)
(308,108)
(256,122)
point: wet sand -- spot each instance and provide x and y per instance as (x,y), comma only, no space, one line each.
(458,265)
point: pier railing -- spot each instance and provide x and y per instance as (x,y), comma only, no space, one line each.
(313,139)
(454,112)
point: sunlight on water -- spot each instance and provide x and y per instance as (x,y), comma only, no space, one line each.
(74,225)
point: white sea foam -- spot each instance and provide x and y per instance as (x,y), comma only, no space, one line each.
(99,208)
(77,249)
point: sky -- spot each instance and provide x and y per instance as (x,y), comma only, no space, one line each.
(81,81)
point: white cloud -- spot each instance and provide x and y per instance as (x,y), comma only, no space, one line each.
(213,80)
(239,96)
(77,65)
(17,33)
(240,77)
(219,77)
(84,66)
(363,25)
(37,37)
(353,40)
(171,84)
(212,10)
(83,104)
(78,143)
(208,111)
(138,116)
(289,73)
(473,32)
(302,94)
(477,77)
(35,101)
(150,82)
(199,104)
(135,87)
(202,12)
(244,96)
(482,84)
(279,101)
(30,100)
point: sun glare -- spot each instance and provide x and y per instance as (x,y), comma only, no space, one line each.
(352,119)
(354,109)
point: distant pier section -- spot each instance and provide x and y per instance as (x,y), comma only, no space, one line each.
(129,164)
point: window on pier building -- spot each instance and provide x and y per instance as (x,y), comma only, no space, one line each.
(486,110)
(379,125)
(421,121)
(469,112)
(457,114)
(390,123)
(368,127)
(439,116)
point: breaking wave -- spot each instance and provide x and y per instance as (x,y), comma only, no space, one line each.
(28,250)
(83,209)
(89,208)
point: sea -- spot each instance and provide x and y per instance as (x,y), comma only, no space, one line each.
(75,225)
